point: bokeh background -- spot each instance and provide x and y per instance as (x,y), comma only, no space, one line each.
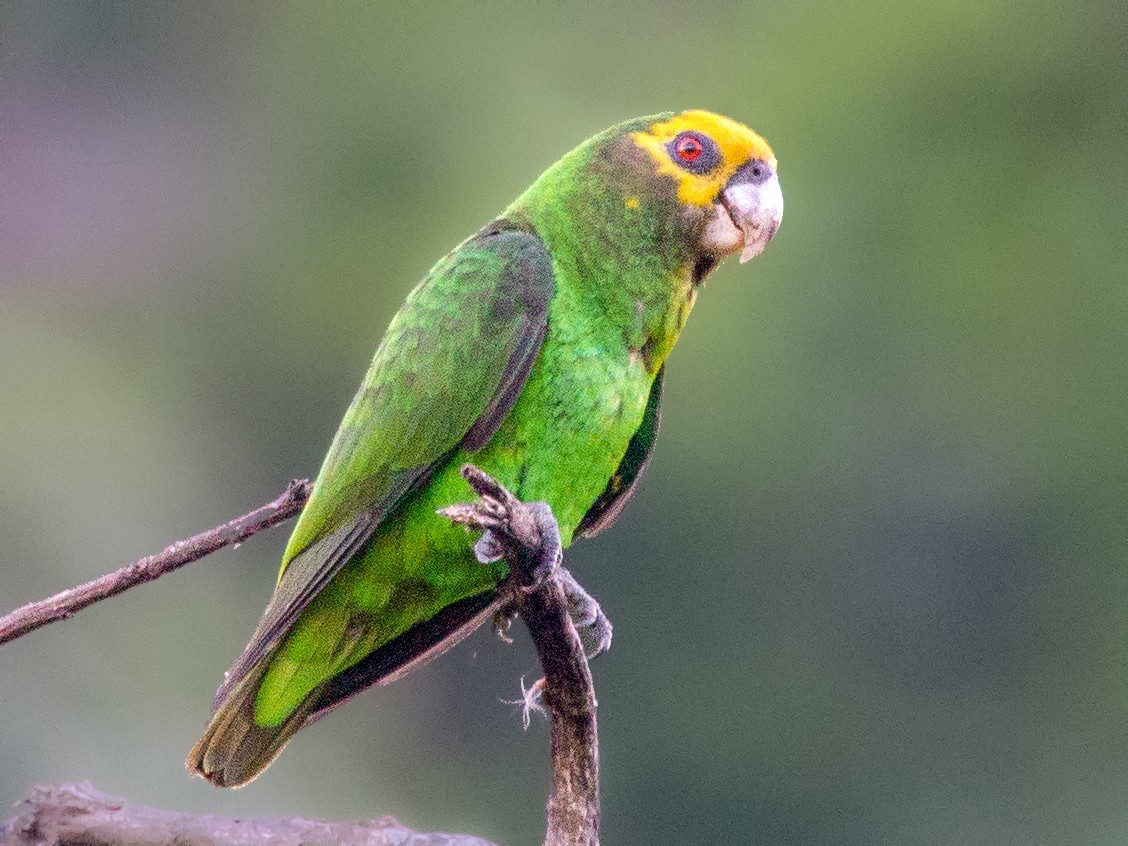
(873,589)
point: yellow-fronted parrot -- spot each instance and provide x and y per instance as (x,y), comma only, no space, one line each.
(534,349)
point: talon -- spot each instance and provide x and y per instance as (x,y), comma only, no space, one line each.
(502,622)
(489,548)
(596,638)
(548,553)
(591,623)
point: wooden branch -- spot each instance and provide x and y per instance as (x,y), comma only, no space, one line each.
(519,537)
(79,814)
(63,605)
(569,694)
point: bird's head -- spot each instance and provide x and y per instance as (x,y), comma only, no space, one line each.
(659,198)
(724,176)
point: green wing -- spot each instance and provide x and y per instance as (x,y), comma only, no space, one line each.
(447,372)
(450,366)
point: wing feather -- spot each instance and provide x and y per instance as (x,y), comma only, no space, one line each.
(452,363)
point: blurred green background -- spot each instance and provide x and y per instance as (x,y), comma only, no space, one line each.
(873,588)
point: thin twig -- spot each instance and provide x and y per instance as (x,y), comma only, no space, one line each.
(62,605)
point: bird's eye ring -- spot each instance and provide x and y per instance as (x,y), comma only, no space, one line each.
(695,152)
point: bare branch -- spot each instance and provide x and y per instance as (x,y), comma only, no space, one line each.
(525,536)
(77,813)
(569,693)
(63,605)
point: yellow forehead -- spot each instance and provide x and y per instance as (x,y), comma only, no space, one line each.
(736,141)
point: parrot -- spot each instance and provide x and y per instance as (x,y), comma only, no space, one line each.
(536,350)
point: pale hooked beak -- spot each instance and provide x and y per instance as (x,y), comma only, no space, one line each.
(747,213)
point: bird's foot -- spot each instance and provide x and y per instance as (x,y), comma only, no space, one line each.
(587,616)
(524,534)
(527,536)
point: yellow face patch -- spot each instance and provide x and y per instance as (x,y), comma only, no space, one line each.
(736,142)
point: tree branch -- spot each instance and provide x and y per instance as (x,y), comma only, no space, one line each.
(77,813)
(573,809)
(63,605)
(526,536)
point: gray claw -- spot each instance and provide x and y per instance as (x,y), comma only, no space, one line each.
(587,616)
(489,548)
(549,554)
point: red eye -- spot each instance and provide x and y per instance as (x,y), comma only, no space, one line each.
(695,152)
(689,148)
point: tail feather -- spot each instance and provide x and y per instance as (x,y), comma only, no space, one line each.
(234,749)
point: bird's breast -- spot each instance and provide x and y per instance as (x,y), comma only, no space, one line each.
(569,430)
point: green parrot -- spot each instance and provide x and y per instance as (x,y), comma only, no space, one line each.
(535,350)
